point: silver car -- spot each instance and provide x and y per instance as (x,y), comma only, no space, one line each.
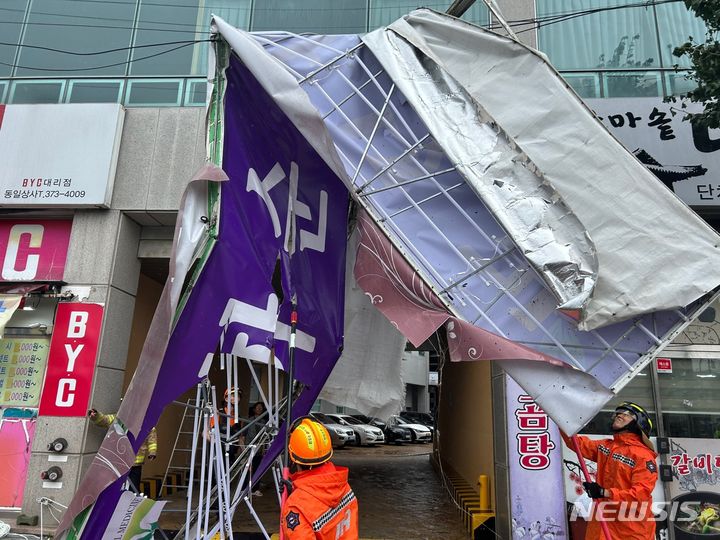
(339,434)
(364,433)
(419,432)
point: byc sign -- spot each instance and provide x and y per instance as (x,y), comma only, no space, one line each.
(71,361)
(33,250)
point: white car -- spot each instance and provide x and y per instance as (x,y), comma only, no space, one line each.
(364,433)
(419,432)
(339,434)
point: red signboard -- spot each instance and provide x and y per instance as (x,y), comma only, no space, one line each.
(71,361)
(664,365)
(33,250)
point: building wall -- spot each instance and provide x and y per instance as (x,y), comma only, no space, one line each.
(465,421)
(159,150)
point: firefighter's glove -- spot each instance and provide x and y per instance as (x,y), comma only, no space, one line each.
(594,490)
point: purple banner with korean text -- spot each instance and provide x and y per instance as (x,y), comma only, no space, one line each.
(537,502)
(282,206)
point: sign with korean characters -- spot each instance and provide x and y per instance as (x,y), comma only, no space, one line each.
(686,159)
(22,367)
(59,155)
(71,362)
(695,465)
(535,464)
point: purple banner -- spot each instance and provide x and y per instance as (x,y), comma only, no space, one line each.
(537,496)
(282,207)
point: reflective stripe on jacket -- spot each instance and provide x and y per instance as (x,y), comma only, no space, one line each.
(321,506)
(627,469)
(149,445)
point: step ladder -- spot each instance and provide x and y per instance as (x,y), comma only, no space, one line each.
(178,469)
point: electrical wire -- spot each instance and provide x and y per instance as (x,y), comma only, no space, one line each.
(534,23)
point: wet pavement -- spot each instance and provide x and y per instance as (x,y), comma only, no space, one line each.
(399,493)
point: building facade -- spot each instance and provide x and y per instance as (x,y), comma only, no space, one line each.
(151,58)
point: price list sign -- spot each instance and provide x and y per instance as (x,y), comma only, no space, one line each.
(22,366)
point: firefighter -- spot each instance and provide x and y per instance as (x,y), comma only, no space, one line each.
(148,448)
(230,398)
(626,476)
(321,504)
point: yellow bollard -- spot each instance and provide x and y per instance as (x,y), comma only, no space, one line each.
(484,491)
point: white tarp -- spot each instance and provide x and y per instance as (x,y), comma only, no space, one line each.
(638,228)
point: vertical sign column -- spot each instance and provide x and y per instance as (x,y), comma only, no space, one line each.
(71,362)
(537,495)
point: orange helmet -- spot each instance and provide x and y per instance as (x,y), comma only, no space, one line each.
(232,390)
(310,443)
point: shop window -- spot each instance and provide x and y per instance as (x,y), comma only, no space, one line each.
(638,390)
(62,24)
(95,91)
(37,91)
(632,84)
(149,93)
(314,16)
(610,39)
(689,397)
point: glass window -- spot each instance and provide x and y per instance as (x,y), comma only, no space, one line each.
(586,85)
(95,91)
(4,85)
(638,84)
(638,390)
(12,13)
(689,398)
(196,92)
(316,16)
(145,93)
(165,37)
(234,12)
(61,24)
(37,91)
(383,12)
(615,38)
(677,84)
(676,24)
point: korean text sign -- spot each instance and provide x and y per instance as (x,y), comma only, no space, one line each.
(22,366)
(71,362)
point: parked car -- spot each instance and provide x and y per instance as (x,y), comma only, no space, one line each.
(364,433)
(423,418)
(419,432)
(339,435)
(393,434)
(364,419)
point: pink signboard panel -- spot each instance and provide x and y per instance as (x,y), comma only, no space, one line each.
(16,436)
(33,250)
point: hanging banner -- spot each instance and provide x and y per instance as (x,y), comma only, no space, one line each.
(22,366)
(281,211)
(34,250)
(535,465)
(71,361)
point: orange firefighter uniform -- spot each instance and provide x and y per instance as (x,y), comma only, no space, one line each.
(626,468)
(322,506)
